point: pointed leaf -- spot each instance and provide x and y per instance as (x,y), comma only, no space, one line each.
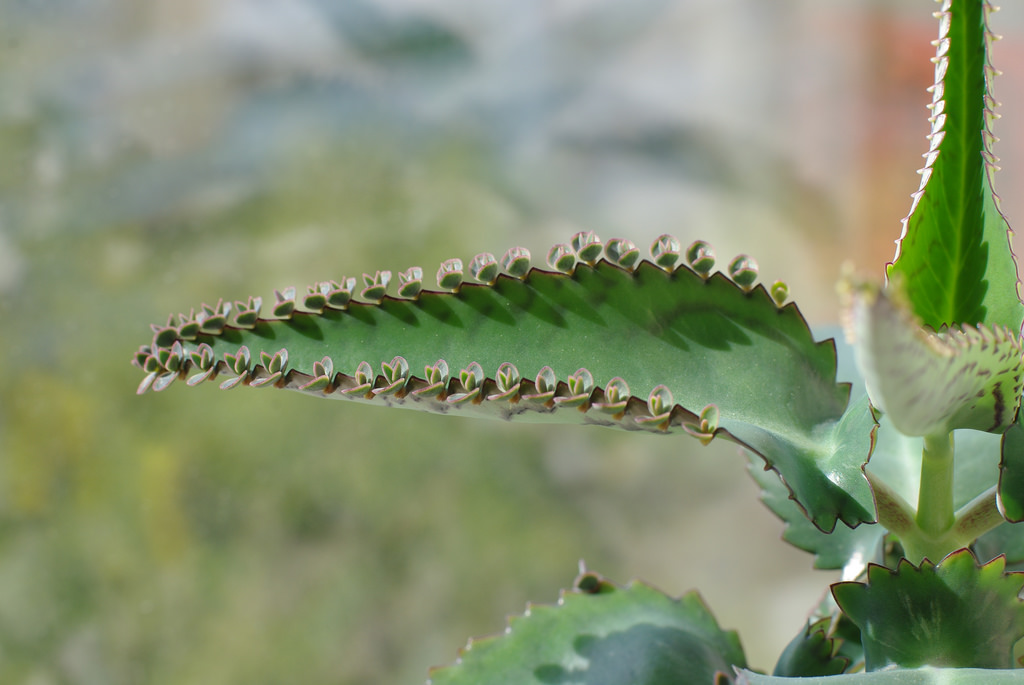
(692,342)
(954,254)
(954,614)
(602,633)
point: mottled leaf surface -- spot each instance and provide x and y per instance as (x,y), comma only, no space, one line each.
(602,634)
(929,383)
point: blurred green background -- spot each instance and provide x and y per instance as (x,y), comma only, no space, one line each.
(156,155)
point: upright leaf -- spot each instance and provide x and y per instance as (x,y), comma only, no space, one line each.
(954,254)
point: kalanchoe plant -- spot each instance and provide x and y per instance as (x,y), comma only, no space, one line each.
(924,533)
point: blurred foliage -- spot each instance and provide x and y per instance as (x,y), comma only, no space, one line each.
(261,538)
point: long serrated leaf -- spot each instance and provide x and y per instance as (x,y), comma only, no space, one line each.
(602,633)
(954,254)
(638,348)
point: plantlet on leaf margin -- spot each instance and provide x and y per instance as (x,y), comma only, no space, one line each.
(925,596)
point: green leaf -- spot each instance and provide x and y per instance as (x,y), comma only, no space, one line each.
(602,633)
(930,383)
(920,676)
(850,549)
(954,614)
(640,347)
(1011,473)
(954,255)
(1006,540)
(811,653)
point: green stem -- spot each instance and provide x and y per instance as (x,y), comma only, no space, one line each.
(935,499)
(934,530)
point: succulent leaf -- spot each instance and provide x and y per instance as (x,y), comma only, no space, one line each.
(743,270)
(616,397)
(484,268)
(929,615)
(562,258)
(811,653)
(313,301)
(375,286)
(706,426)
(665,251)
(323,375)
(1010,495)
(339,294)
(930,383)
(603,633)
(587,247)
(664,352)
(449,274)
(780,292)
(849,549)
(508,381)
(622,253)
(954,253)
(516,262)
(581,386)
(284,303)
(471,379)
(701,257)
(410,282)
(212,320)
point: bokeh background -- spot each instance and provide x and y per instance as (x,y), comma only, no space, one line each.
(160,154)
